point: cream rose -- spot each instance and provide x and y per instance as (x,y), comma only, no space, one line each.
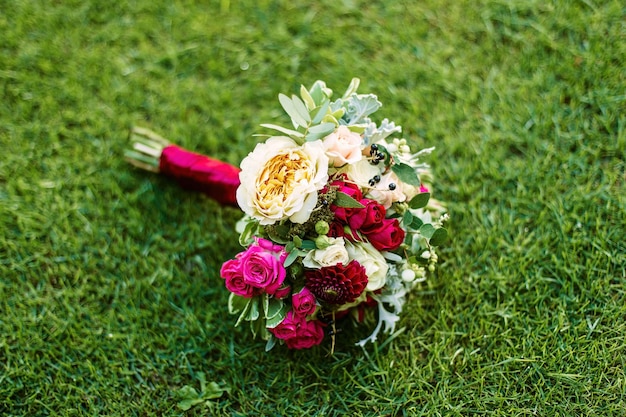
(334,254)
(386,196)
(361,172)
(375,265)
(280,179)
(343,147)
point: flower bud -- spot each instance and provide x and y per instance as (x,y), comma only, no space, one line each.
(323,242)
(322,227)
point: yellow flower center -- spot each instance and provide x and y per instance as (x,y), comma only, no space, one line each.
(280,175)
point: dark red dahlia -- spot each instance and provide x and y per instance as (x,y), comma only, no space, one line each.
(338,284)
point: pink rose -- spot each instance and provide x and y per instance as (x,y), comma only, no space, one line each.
(308,334)
(286,329)
(343,146)
(283,292)
(262,266)
(231,272)
(304,303)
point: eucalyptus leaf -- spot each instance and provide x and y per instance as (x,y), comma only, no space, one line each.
(320,131)
(439,237)
(320,112)
(427,230)
(319,91)
(416,223)
(291,110)
(307,98)
(284,130)
(300,107)
(406,174)
(291,258)
(407,219)
(344,200)
(419,201)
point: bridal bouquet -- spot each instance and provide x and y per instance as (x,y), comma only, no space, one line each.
(339,220)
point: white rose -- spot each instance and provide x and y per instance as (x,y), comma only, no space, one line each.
(280,179)
(384,195)
(334,254)
(343,146)
(375,265)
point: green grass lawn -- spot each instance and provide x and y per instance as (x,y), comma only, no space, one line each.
(110,296)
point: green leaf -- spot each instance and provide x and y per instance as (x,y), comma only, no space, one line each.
(416,223)
(419,201)
(406,174)
(293,255)
(271,342)
(284,130)
(308,244)
(280,315)
(319,131)
(344,200)
(319,91)
(307,98)
(247,236)
(407,219)
(291,110)
(439,237)
(187,404)
(266,304)
(254,310)
(190,397)
(301,109)
(354,85)
(320,112)
(274,307)
(245,312)
(427,230)
(236,303)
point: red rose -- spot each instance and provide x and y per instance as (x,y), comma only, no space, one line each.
(389,236)
(368,218)
(308,334)
(353,190)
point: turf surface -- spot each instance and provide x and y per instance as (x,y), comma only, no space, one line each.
(110,299)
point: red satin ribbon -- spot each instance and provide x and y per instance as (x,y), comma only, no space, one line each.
(218,180)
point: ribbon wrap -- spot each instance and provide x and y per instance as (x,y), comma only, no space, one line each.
(218,180)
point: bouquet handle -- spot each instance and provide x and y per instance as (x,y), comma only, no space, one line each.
(216,179)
